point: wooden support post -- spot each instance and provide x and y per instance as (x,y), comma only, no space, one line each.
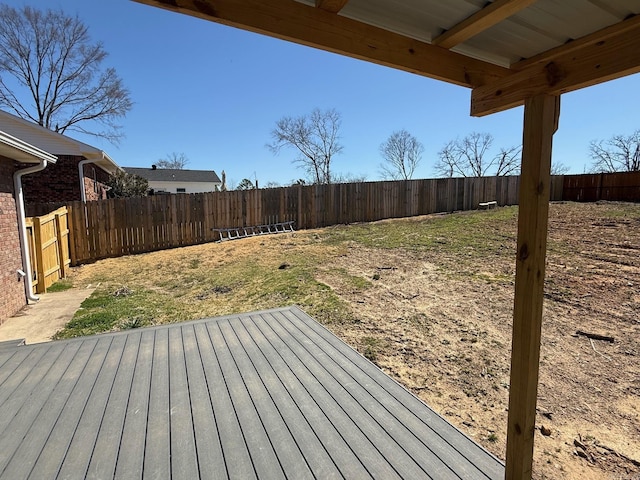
(540,123)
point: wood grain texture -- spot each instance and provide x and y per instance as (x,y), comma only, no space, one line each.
(307,25)
(540,120)
(487,17)
(614,53)
(333,6)
(136,225)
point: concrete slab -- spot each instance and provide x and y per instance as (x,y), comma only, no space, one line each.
(39,322)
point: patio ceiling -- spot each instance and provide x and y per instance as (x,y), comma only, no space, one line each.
(506,50)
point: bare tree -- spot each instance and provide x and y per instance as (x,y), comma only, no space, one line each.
(174,161)
(349,178)
(232,184)
(507,161)
(448,163)
(51,73)
(559,168)
(469,158)
(402,153)
(471,151)
(314,137)
(621,153)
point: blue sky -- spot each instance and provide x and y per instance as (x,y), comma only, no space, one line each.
(215,93)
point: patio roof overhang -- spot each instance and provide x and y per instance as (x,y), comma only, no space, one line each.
(463,54)
(509,53)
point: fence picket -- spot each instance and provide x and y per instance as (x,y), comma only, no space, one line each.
(123,226)
(49,247)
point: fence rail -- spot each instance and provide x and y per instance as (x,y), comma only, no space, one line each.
(622,186)
(115,227)
(48,238)
(111,228)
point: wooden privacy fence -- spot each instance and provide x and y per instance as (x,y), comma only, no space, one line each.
(48,238)
(622,186)
(115,227)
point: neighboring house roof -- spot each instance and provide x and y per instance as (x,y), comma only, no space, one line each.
(174,175)
(50,141)
(16,149)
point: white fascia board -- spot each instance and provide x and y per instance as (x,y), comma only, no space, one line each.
(24,151)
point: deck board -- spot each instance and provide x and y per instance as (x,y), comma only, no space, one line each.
(269,394)
(184,459)
(157,451)
(309,400)
(210,455)
(100,457)
(397,436)
(131,451)
(89,437)
(60,436)
(433,430)
(285,445)
(429,428)
(363,415)
(24,366)
(260,448)
(308,445)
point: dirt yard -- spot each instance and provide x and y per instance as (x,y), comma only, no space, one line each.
(447,338)
(439,321)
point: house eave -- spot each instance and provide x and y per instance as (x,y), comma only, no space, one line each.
(22,151)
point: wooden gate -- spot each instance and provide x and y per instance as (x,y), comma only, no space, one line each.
(48,238)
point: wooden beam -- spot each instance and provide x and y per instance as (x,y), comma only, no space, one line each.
(307,25)
(480,21)
(333,6)
(540,122)
(611,54)
(574,45)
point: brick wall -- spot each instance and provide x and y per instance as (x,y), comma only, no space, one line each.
(95,180)
(59,182)
(12,296)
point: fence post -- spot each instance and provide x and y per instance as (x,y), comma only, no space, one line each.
(59,238)
(599,194)
(72,221)
(299,219)
(37,234)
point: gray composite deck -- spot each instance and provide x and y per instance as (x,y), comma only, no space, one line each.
(268,394)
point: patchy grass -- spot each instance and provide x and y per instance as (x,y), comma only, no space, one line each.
(371,345)
(60,286)
(103,311)
(353,282)
(473,233)
(196,282)
(192,285)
